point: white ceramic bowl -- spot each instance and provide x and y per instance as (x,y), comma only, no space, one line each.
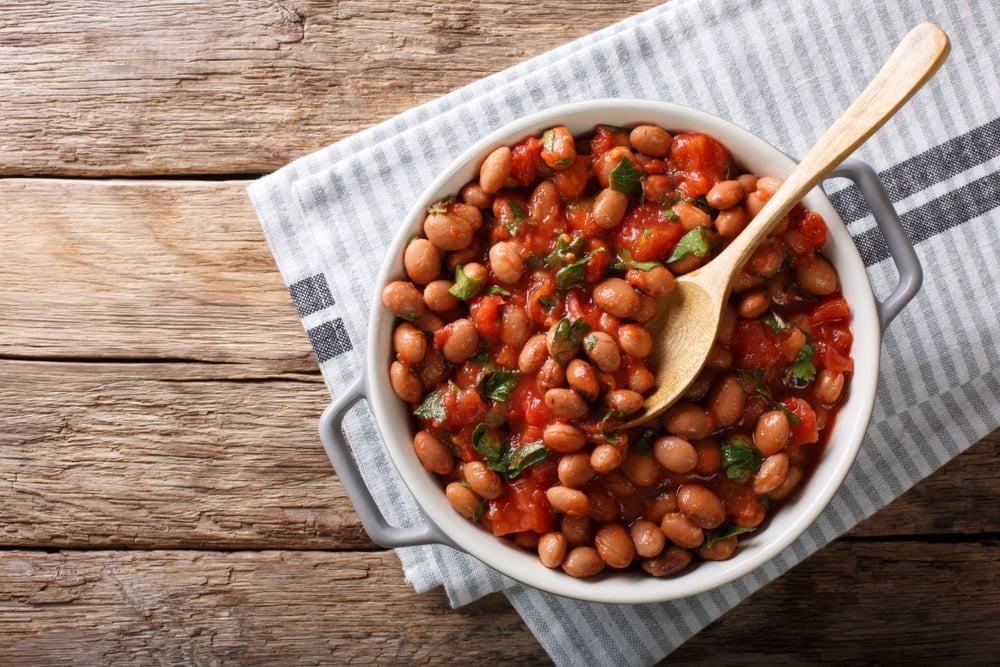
(396,425)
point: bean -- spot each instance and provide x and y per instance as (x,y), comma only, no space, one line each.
(609,208)
(691,216)
(648,307)
(766,260)
(753,204)
(482,480)
(422,261)
(469,213)
(798,243)
(719,357)
(772,473)
(699,388)
(792,480)
(434,370)
(606,458)
(410,343)
(647,538)
(464,500)
(462,341)
(726,401)
(672,561)
(574,470)
(437,297)
(581,377)
(650,140)
(515,327)
(577,529)
(753,304)
(688,421)
(619,485)
(682,531)
(614,545)
(709,456)
(582,562)
(701,505)
(675,454)
(552,549)
(447,232)
(563,438)
(527,539)
(533,355)
(640,379)
(817,276)
(558,147)
(406,385)
(474,271)
(495,170)
(506,262)
(725,194)
(544,202)
(604,508)
(767,186)
(829,387)
(730,222)
(721,550)
(624,401)
(656,508)
(434,455)
(635,340)
(470,253)
(617,297)
(726,325)
(689,263)
(749,182)
(551,375)
(568,501)
(779,291)
(403,299)
(640,469)
(771,432)
(602,350)
(608,323)
(606,163)
(473,195)
(565,403)
(657,281)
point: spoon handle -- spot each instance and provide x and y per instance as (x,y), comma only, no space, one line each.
(911,64)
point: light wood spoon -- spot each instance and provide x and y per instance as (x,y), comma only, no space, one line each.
(688,322)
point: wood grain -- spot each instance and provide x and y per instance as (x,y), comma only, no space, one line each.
(183,607)
(191,455)
(141,270)
(222,87)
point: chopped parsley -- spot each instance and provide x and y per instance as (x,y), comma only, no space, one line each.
(547,303)
(432,407)
(498,385)
(804,370)
(624,177)
(773,321)
(519,215)
(549,141)
(437,208)
(565,246)
(485,441)
(723,532)
(516,461)
(644,445)
(496,289)
(625,262)
(696,242)
(477,513)
(758,386)
(739,457)
(669,214)
(608,421)
(465,287)
(573,274)
(567,337)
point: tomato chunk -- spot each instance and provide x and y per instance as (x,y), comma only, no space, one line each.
(753,346)
(830,358)
(648,234)
(831,309)
(806,431)
(701,162)
(524,161)
(485,311)
(522,506)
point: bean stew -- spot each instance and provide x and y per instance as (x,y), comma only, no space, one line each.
(520,346)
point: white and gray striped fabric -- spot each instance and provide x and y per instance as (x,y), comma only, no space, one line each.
(784,70)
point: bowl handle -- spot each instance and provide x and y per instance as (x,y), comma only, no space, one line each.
(911,275)
(374,522)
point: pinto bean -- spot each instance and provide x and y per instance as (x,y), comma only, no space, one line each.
(568,501)
(574,469)
(606,163)
(482,480)
(635,340)
(565,403)
(533,355)
(691,216)
(464,500)
(582,562)
(448,232)
(749,182)
(767,186)
(403,299)
(462,342)
(495,170)
(657,281)
(434,370)
(581,377)
(640,379)
(605,458)
(672,561)
(434,455)
(422,261)
(719,357)
(792,480)
(709,456)
(563,438)
(410,343)
(682,531)
(640,469)
(771,432)
(552,549)
(624,401)
(829,387)
(609,208)
(675,454)
(817,276)
(730,222)
(437,297)
(617,297)
(753,204)
(656,508)
(577,529)
(726,325)
(648,307)
(650,140)
(726,401)
(688,421)
(470,214)
(544,201)
(515,326)
(647,538)
(772,473)
(726,194)
(474,195)
(551,374)
(602,350)
(506,262)
(406,385)
(753,304)
(614,545)
(701,505)
(619,485)
(721,550)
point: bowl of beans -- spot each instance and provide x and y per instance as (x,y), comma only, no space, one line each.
(508,345)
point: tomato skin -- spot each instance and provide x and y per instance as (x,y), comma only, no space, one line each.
(651,165)
(753,346)
(831,309)
(740,501)
(524,161)
(813,228)
(830,358)
(572,181)
(836,334)
(701,162)
(648,234)
(522,505)
(528,401)
(485,311)
(806,431)
(604,139)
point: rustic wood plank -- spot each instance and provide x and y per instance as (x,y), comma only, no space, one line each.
(132,269)
(123,607)
(191,455)
(222,87)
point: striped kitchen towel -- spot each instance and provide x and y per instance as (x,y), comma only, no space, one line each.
(785,71)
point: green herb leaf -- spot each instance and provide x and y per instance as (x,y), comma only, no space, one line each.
(773,321)
(496,289)
(494,419)
(548,140)
(564,247)
(482,355)
(486,443)
(758,386)
(565,162)
(804,370)
(409,317)
(608,421)
(669,214)
(465,287)
(573,274)
(643,266)
(725,531)
(644,445)
(477,513)
(432,407)
(547,303)
(498,385)
(519,214)
(739,457)
(516,461)
(567,337)
(701,202)
(437,208)
(624,177)
(695,242)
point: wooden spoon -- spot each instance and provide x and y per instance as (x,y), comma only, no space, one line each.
(686,328)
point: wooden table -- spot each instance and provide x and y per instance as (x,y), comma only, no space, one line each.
(168,500)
